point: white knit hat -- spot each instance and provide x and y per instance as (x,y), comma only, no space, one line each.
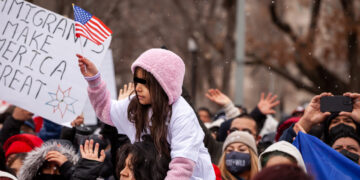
(242,137)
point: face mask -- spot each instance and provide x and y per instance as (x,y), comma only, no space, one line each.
(237,162)
(352,156)
(340,128)
(49,177)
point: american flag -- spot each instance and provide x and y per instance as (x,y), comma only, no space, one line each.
(89,26)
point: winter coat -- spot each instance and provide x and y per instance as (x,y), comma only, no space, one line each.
(286,148)
(87,169)
(35,159)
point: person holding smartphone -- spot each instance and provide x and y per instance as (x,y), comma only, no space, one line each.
(314,115)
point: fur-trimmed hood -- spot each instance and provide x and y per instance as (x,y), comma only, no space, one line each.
(35,159)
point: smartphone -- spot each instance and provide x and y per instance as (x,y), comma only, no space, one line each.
(336,104)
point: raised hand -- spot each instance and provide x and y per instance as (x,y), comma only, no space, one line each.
(216,96)
(78,121)
(266,105)
(21,114)
(126,91)
(312,114)
(87,68)
(56,157)
(355,114)
(89,152)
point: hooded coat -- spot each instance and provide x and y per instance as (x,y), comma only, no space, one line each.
(286,148)
(35,159)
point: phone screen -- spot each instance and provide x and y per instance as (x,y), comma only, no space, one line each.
(336,104)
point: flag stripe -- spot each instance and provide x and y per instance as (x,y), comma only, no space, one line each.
(81,32)
(95,25)
(89,36)
(87,33)
(88,25)
(92,34)
(102,24)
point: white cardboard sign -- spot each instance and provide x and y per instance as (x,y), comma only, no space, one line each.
(38,67)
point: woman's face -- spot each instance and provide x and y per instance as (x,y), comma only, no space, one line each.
(142,91)
(127,173)
(237,146)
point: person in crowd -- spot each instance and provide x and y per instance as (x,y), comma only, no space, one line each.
(283,172)
(157,109)
(336,123)
(57,159)
(214,128)
(3,167)
(12,124)
(265,105)
(245,122)
(281,152)
(141,160)
(266,141)
(205,115)
(17,147)
(239,159)
(313,116)
(347,143)
(53,160)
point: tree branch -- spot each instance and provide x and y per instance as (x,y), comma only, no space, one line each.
(282,72)
(313,21)
(279,23)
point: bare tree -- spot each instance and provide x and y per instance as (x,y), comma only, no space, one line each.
(330,38)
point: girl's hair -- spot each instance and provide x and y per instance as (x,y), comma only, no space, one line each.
(161,111)
(227,175)
(146,161)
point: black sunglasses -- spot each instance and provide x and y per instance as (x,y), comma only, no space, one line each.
(139,80)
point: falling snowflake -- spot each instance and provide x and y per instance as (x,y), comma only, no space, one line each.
(62,101)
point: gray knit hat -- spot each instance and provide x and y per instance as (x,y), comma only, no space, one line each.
(242,137)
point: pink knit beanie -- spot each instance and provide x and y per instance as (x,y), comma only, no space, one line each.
(167,68)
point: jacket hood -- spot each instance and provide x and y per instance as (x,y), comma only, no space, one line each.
(35,159)
(166,67)
(287,148)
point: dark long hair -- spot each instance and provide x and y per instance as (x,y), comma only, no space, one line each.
(161,113)
(146,162)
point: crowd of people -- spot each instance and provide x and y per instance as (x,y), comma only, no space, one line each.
(152,132)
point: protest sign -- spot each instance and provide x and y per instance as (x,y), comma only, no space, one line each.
(38,67)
